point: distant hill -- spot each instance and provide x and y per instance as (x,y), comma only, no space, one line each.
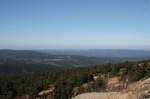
(64,59)
(28,61)
(102,53)
(25,61)
(22,54)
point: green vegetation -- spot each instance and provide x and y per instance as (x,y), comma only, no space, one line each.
(65,80)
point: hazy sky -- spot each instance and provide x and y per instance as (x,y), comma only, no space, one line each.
(42,24)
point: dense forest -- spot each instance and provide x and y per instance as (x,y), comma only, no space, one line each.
(15,86)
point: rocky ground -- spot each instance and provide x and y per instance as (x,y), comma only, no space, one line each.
(136,90)
(107,95)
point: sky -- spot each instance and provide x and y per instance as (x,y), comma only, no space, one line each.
(74,24)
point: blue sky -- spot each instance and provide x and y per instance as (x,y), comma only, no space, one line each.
(46,24)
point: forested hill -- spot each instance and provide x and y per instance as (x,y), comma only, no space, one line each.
(31,85)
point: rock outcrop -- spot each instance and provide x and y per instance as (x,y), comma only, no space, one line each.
(136,90)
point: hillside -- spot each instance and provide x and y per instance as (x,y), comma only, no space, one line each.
(73,82)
